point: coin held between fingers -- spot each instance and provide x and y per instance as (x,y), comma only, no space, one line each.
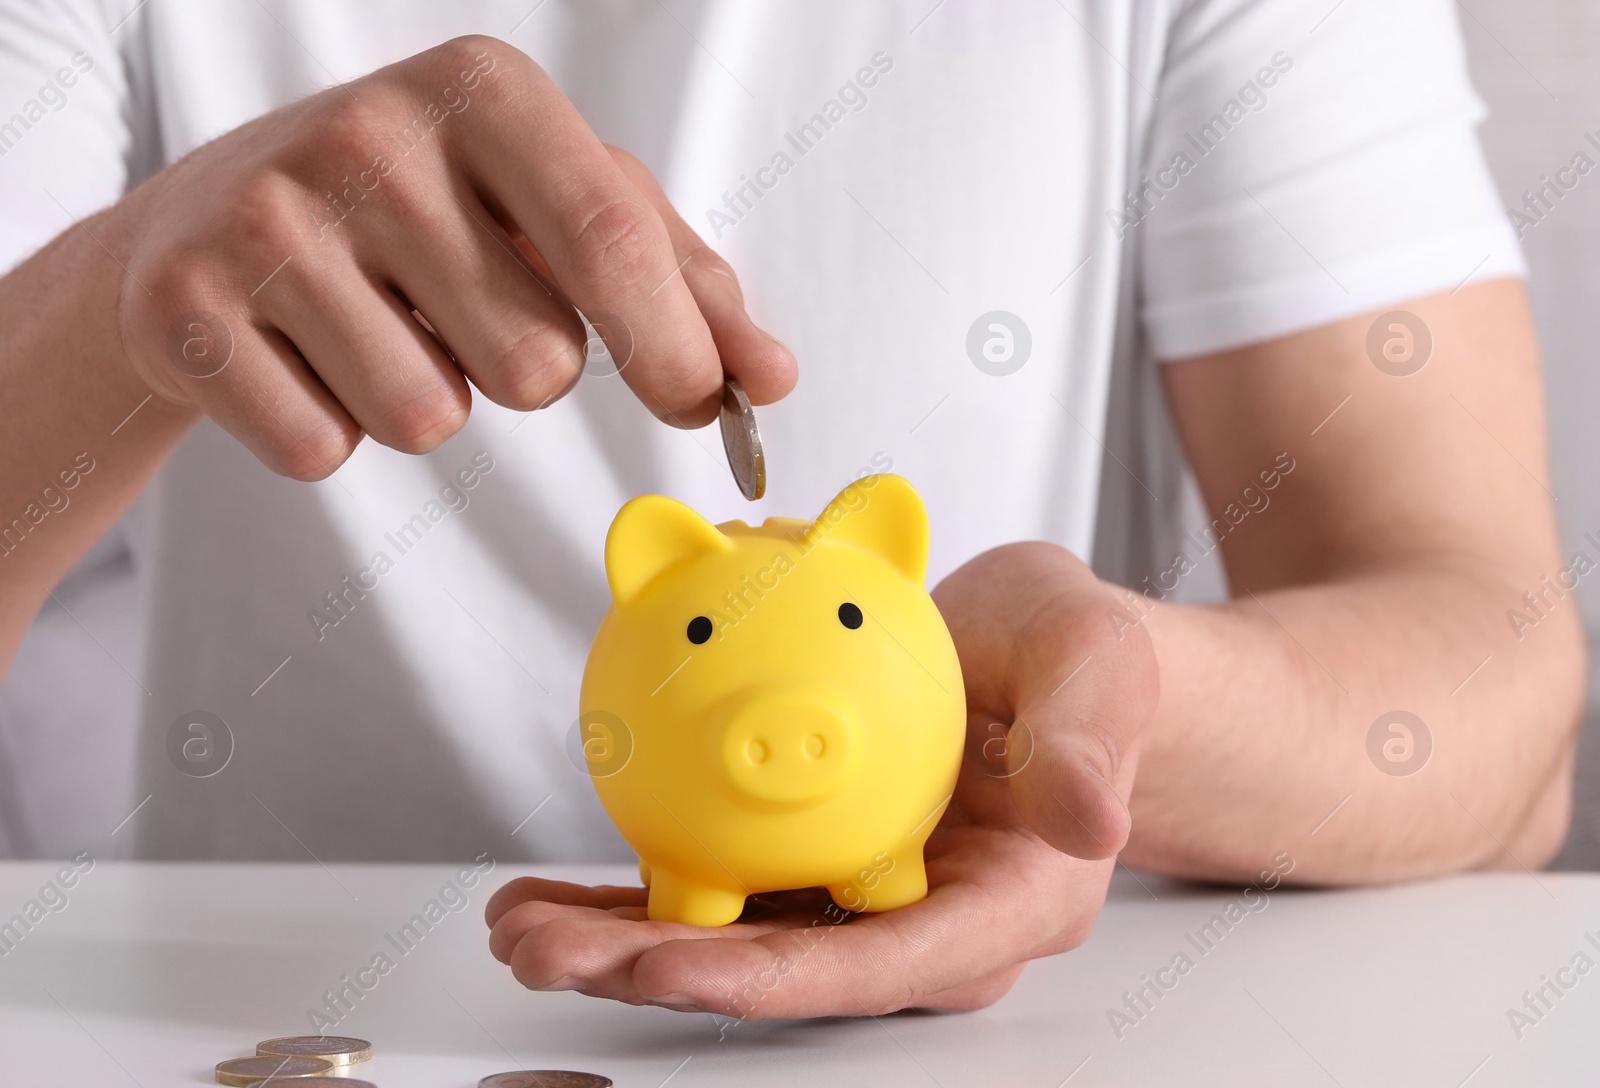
(742,441)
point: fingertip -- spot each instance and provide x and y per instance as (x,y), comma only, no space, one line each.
(499,946)
(764,365)
(550,956)
(766,368)
(505,897)
(1085,818)
(658,977)
(311,459)
(686,417)
(494,909)
(682,972)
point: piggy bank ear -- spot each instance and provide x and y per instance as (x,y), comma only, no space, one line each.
(883,514)
(650,534)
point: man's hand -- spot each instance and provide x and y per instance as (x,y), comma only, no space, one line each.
(275,271)
(271,280)
(1055,703)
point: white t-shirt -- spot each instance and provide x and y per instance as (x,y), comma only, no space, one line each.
(1126,180)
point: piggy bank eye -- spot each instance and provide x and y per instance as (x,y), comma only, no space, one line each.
(850,615)
(700,630)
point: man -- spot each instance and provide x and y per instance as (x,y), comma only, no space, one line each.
(975,228)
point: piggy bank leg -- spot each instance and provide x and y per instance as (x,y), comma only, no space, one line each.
(644,872)
(899,883)
(674,899)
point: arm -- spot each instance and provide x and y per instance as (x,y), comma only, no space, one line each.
(1377,578)
(235,284)
(66,390)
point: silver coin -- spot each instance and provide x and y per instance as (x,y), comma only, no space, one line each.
(545,1078)
(338,1049)
(742,441)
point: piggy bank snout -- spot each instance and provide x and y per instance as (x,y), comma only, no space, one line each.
(790,747)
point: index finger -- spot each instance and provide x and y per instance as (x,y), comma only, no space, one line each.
(538,164)
(761,363)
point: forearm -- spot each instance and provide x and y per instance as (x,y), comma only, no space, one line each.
(1261,740)
(81,437)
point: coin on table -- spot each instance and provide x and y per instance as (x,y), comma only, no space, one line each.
(338,1049)
(545,1078)
(742,441)
(323,1082)
(263,1067)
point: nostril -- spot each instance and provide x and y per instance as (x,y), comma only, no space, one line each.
(757,752)
(815,746)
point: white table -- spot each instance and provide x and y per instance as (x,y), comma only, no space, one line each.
(152,973)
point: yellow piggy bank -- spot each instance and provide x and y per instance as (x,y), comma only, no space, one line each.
(773,707)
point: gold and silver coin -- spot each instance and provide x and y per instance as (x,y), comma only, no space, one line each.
(262,1067)
(338,1049)
(742,441)
(545,1078)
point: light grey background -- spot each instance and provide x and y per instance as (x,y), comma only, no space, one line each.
(1536,64)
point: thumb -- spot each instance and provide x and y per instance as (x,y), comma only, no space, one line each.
(1074,747)
(1072,791)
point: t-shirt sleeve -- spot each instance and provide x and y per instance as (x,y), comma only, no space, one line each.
(1302,171)
(65,134)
